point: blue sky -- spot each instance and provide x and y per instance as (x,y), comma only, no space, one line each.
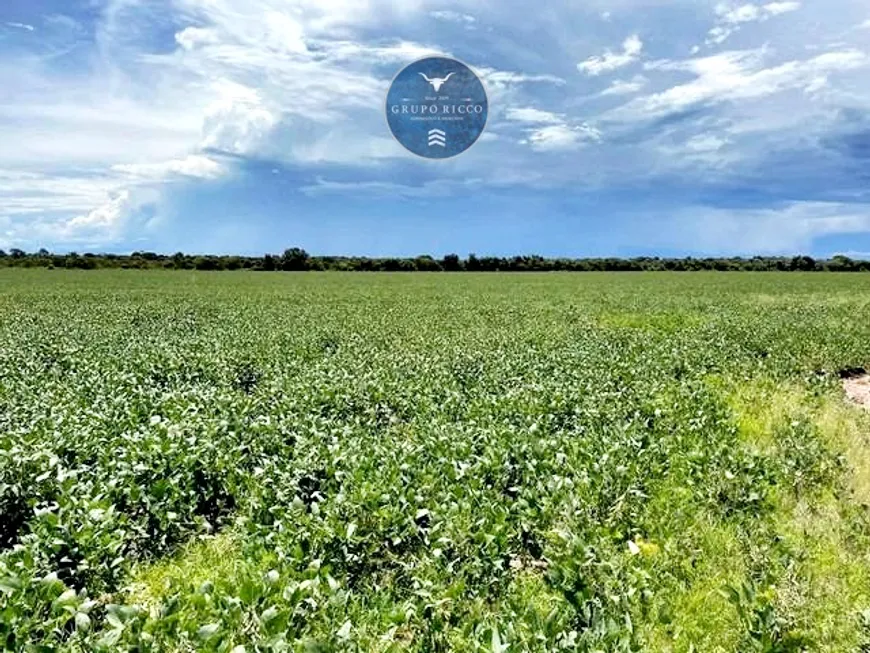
(617,127)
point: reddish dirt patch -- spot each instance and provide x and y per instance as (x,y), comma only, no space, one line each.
(858,389)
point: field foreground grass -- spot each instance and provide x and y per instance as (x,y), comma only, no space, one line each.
(331,462)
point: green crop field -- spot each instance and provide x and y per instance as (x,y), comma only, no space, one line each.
(433,462)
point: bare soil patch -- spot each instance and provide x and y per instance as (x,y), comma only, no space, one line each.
(857,388)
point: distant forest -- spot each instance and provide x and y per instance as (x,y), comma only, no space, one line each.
(296,259)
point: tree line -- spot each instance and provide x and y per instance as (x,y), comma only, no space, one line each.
(297,259)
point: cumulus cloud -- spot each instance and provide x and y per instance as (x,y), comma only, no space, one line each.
(237,121)
(104,224)
(104,217)
(609,61)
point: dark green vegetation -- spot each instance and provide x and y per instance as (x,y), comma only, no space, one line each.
(298,260)
(308,462)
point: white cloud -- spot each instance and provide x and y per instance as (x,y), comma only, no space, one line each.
(237,122)
(741,14)
(511,88)
(441,187)
(437,188)
(701,152)
(105,217)
(194,165)
(508,78)
(528,114)
(562,137)
(609,61)
(777,8)
(454,17)
(398,51)
(705,143)
(626,87)
(191,37)
(718,34)
(731,17)
(547,131)
(732,76)
(24,26)
(115,213)
(816,85)
(789,229)
(82,123)
(33,193)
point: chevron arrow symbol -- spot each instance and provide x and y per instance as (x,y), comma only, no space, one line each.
(437,138)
